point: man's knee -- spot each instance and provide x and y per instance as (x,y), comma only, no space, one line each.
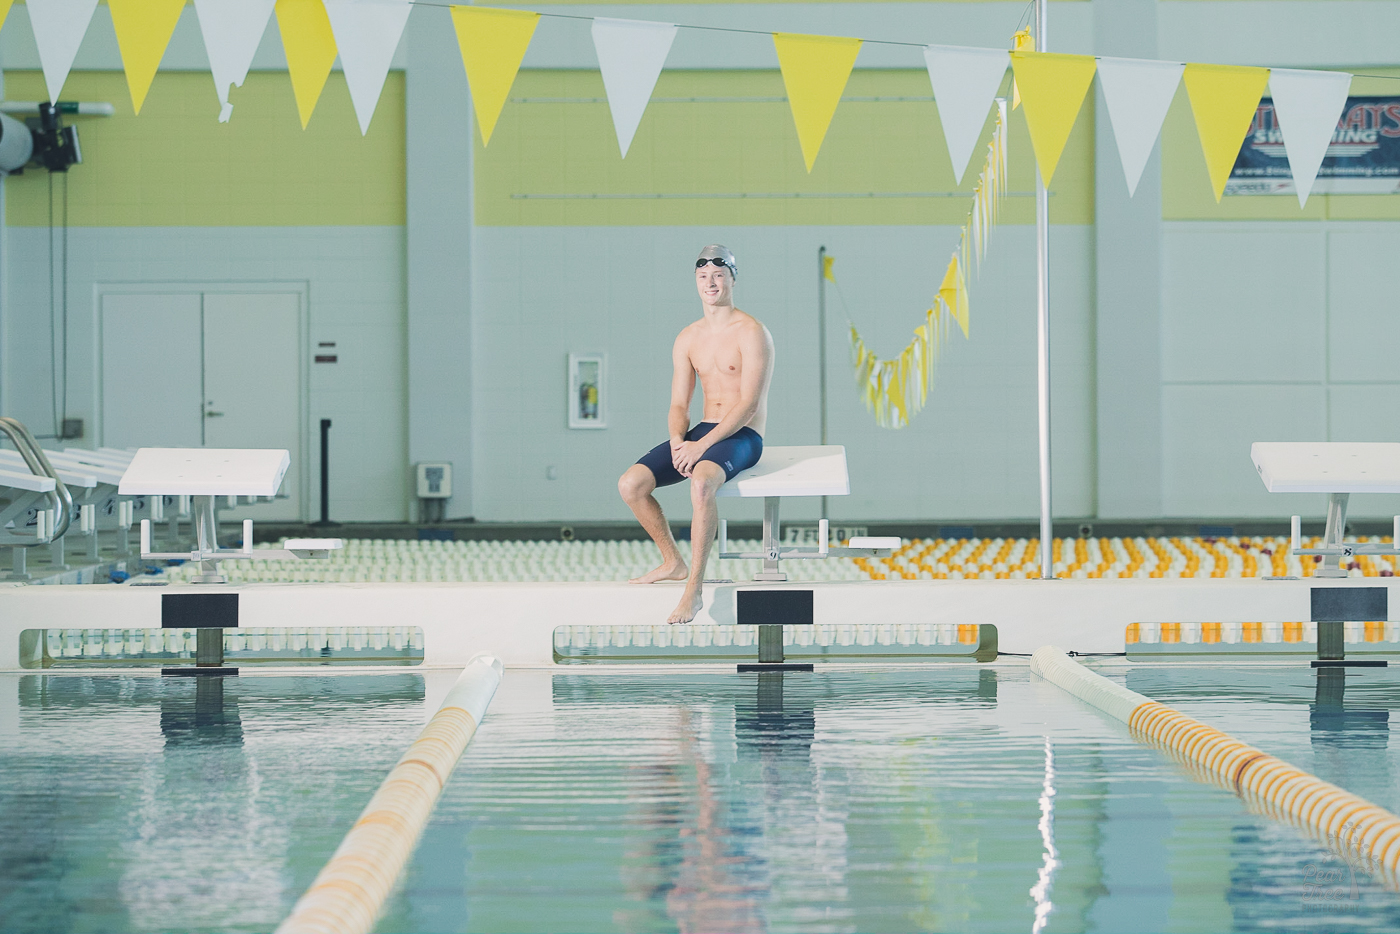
(705,481)
(636,483)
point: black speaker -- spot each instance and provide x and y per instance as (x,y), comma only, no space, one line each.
(199,611)
(774,608)
(1350,604)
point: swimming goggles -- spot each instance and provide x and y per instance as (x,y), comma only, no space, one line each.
(699,263)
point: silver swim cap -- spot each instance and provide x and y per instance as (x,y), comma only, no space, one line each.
(720,253)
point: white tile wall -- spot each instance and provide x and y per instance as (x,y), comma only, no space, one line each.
(1272,332)
(543,292)
(355,281)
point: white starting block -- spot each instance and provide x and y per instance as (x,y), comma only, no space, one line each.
(203,474)
(813,470)
(1337,468)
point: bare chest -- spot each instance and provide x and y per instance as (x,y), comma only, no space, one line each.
(716,359)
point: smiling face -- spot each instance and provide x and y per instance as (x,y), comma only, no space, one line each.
(715,285)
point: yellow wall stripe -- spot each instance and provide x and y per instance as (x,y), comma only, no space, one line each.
(175,166)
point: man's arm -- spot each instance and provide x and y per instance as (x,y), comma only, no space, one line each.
(682,390)
(756,356)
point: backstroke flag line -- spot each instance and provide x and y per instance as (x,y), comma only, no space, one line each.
(143,29)
(631,54)
(366,33)
(493,43)
(1307,107)
(1224,99)
(1052,91)
(965,82)
(815,70)
(309,44)
(1138,93)
(59,27)
(232,30)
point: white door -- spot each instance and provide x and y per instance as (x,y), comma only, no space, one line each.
(252,383)
(206,369)
(152,364)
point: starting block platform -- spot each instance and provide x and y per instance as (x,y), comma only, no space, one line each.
(799,470)
(1337,468)
(205,474)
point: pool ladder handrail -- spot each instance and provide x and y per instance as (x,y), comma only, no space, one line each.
(39,465)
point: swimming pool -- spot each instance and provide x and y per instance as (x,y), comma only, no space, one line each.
(849,799)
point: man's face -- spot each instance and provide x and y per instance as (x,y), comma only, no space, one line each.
(715,284)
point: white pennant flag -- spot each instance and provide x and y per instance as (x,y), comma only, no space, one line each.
(367,33)
(1307,107)
(965,82)
(232,30)
(1138,93)
(59,27)
(631,54)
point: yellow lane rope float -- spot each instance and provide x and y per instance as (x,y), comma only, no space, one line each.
(1352,826)
(896,390)
(349,892)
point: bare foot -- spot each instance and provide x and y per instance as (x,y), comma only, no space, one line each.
(685,610)
(671,571)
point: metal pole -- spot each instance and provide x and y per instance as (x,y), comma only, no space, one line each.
(821,343)
(325,474)
(1042,270)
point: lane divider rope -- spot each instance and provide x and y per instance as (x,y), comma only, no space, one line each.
(349,892)
(1354,827)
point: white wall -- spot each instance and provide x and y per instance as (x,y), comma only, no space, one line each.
(540,293)
(1273,332)
(354,277)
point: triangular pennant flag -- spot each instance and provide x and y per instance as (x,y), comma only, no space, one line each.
(59,26)
(5,10)
(953,293)
(143,28)
(309,44)
(815,70)
(1052,91)
(631,54)
(1138,93)
(366,33)
(965,82)
(1224,99)
(1022,41)
(232,30)
(1307,105)
(493,43)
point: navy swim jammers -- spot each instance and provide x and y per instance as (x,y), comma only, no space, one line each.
(739,451)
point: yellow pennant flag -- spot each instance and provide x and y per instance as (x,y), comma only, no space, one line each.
(827,263)
(5,10)
(1052,90)
(1223,101)
(493,43)
(1022,41)
(143,30)
(815,71)
(953,293)
(310,47)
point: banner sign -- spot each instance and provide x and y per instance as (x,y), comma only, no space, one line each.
(1363,158)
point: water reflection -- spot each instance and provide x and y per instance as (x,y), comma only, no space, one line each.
(206,718)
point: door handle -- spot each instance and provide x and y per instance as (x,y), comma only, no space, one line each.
(213,414)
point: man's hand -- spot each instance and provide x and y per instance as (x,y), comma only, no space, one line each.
(686,455)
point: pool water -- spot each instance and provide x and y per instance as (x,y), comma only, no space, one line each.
(955,797)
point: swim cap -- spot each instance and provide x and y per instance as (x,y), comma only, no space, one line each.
(720,252)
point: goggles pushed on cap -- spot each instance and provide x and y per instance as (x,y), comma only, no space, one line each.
(700,263)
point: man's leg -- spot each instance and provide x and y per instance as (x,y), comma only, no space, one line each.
(705,481)
(636,487)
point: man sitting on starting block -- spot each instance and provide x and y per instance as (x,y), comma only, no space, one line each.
(732,353)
